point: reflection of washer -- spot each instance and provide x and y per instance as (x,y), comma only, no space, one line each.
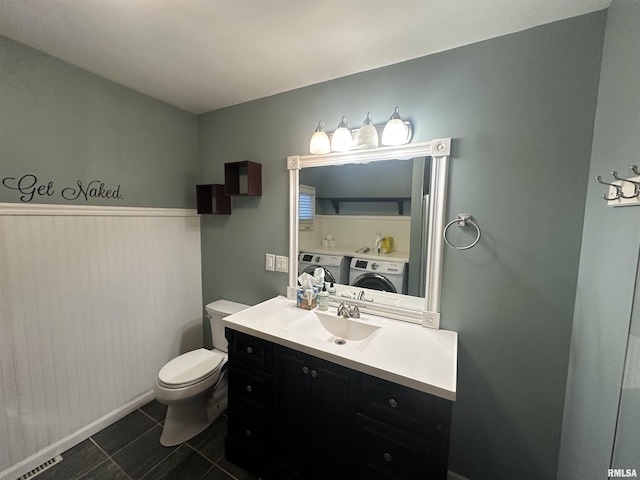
(335,266)
(383,276)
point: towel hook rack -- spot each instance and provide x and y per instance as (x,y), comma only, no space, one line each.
(636,185)
(463,220)
(617,187)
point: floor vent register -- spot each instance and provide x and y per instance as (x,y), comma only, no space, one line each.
(38,470)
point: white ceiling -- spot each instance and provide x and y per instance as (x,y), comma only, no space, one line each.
(201,55)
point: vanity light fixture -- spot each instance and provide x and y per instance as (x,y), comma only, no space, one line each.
(395,131)
(342,141)
(319,141)
(367,134)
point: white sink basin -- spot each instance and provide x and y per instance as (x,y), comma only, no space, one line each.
(346,328)
(347,332)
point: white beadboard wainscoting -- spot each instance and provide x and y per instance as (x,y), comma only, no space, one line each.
(93,301)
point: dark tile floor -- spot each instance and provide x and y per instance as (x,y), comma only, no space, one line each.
(130,450)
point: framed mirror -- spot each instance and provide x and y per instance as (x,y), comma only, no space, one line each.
(397,192)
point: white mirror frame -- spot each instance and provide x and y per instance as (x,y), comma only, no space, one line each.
(439,151)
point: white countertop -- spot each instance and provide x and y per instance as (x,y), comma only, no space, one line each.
(421,358)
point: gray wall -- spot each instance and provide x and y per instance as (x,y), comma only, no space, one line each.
(608,267)
(521,111)
(64,125)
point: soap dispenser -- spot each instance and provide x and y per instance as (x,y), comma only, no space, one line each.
(323,299)
(376,243)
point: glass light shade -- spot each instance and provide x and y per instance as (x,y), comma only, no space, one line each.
(395,131)
(367,135)
(342,141)
(319,141)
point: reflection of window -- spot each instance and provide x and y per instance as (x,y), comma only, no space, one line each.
(306,207)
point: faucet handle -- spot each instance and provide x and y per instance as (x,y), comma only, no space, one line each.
(354,312)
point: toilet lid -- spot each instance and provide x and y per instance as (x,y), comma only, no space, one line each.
(190,367)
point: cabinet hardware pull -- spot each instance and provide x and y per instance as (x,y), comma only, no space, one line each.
(314,374)
(249,389)
(387,457)
(248,433)
(305,370)
(249,350)
(393,403)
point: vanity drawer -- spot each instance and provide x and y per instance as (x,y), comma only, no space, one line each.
(253,351)
(251,388)
(249,430)
(401,406)
(384,452)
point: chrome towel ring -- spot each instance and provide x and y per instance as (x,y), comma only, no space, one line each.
(463,220)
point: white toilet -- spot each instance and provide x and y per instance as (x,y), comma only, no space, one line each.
(193,385)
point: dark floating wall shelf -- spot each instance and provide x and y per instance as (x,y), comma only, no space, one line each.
(243,178)
(211,199)
(336,201)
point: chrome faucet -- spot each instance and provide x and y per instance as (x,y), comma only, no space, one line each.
(346,311)
(362,297)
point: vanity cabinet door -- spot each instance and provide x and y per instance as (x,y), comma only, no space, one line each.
(315,408)
(291,413)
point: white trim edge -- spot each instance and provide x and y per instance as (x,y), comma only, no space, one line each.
(75,438)
(92,210)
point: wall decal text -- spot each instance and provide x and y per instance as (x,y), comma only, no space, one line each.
(29,188)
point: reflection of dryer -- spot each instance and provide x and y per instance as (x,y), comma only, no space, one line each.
(335,266)
(384,276)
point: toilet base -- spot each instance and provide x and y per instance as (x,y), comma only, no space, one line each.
(188,418)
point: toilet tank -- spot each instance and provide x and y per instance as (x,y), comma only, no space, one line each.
(216,311)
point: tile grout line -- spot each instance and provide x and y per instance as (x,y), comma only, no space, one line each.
(205,473)
(108,459)
(213,464)
(225,471)
(125,446)
(157,464)
(145,413)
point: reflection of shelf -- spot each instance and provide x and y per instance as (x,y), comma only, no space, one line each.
(335,201)
(211,200)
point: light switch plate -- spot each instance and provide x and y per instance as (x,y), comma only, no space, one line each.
(270,262)
(282,263)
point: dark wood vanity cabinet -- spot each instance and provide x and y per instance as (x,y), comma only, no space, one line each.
(295,416)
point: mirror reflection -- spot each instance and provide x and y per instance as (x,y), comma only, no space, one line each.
(365,224)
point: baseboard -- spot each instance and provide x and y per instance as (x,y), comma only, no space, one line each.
(455,476)
(75,438)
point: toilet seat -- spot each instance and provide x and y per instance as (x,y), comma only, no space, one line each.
(190,368)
